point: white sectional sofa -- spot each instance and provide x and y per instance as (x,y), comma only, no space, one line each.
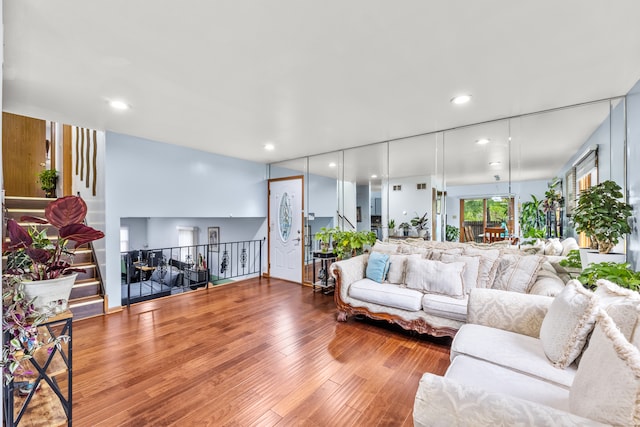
(516,362)
(427,283)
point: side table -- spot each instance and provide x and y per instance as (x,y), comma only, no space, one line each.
(324,281)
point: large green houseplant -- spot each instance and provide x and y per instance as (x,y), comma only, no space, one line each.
(532,219)
(602,215)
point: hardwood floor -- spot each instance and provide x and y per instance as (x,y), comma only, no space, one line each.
(259,352)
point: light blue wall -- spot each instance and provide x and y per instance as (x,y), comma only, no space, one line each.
(148,179)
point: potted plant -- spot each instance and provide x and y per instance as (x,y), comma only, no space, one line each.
(602,216)
(420,223)
(452,233)
(48,179)
(619,273)
(44,264)
(532,219)
(392,226)
(324,235)
(20,322)
(405,228)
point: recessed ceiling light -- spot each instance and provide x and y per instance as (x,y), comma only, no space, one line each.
(269,147)
(332,165)
(483,141)
(374,176)
(461,99)
(494,163)
(119,105)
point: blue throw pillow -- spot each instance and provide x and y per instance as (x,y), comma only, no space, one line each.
(377,266)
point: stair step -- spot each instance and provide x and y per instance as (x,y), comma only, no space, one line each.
(85,288)
(27,202)
(87,307)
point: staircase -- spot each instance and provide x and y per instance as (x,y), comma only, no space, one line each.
(87,296)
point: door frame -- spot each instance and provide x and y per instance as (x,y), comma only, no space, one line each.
(302,224)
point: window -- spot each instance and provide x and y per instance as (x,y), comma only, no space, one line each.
(124,239)
(478,214)
(397,188)
(187,239)
(421,186)
(586,176)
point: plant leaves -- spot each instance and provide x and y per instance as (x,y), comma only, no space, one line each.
(80,234)
(18,236)
(65,211)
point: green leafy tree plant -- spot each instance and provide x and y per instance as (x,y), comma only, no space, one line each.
(452,233)
(602,215)
(532,219)
(619,273)
(48,179)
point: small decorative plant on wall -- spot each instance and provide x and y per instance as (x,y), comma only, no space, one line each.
(602,215)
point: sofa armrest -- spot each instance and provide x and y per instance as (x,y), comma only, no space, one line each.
(443,402)
(348,271)
(510,311)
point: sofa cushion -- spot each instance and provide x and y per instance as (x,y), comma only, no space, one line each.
(509,349)
(385,248)
(445,306)
(471,269)
(517,273)
(568,322)
(607,384)
(553,247)
(377,266)
(435,277)
(386,294)
(488,265)
(568,245)
(498,379)
(547,283)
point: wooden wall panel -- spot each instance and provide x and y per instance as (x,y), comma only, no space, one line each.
(67,161)
(23,153)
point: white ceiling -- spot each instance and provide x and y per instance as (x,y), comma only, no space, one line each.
(316,76)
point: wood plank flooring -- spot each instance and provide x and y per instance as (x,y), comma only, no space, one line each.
(254,353)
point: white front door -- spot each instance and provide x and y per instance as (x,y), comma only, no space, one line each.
(286,247)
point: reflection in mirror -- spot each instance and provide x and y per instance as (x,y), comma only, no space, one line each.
(413,179)
(325,172)
(477,175)
(364,170)
(552,144)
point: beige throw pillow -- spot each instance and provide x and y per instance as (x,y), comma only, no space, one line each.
(621,305)
(606,387)
(471,269)
(567,324)
(488,265)
(517,273)
(435,277)
(395,274)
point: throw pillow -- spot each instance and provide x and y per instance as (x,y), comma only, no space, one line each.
(568,245)
(567,324)
(471,269)
(517,272)
(377,266)
(435,277)
(395,273)
(385,248)
(621,305)
(437,253)
(553,247)
(606,387)
(488,265)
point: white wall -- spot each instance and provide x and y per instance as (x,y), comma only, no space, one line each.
(148,179)
(321,195)
(410,202)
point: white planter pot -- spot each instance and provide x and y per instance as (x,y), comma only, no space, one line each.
(51,296)
(588,256)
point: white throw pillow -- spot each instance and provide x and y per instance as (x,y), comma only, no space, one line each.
(567,324)
(553,247)
(385,248)
(620,303)
(488,264)
(568,245)
(517,273)
(606,387)
(471,269)
(435,277)
(395,274)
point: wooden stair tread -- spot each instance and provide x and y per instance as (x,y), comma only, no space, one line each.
(93,299)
